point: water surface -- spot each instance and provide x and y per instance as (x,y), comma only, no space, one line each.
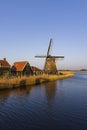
(59,105)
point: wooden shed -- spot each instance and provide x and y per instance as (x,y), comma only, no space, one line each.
(36,70)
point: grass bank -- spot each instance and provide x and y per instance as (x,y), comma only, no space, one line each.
(14,82)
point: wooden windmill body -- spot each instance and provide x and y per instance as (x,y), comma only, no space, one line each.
(50,61)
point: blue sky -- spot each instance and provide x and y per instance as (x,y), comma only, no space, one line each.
(26,27)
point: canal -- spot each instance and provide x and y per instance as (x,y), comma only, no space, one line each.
(58,105)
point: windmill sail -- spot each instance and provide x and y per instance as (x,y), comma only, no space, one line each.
(49,48)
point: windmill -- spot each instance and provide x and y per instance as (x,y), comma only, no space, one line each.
(50,61)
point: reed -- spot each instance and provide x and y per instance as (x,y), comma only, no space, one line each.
(14,82)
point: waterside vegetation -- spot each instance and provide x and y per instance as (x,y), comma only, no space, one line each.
(23,81)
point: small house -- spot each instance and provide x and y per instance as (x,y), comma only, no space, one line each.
(4,66)
(21,68)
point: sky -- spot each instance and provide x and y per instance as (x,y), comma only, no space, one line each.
(26,27)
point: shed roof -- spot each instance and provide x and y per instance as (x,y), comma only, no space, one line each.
(35,68)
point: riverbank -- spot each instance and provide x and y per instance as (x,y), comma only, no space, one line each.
(14,82)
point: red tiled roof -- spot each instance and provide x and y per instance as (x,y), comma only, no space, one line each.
(4,63)
(20,65)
